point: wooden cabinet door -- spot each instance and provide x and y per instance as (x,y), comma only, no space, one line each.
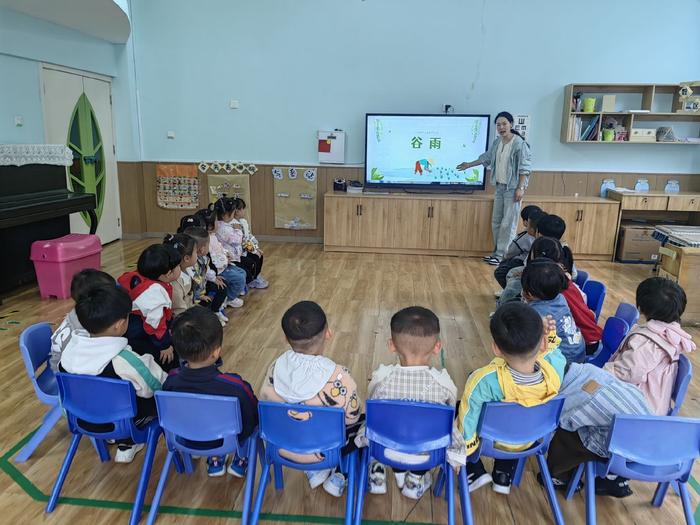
(477,228)
(683,203)
(410,226)
(649,203)
(341,225)
(374,223)
(449,227)
(595,229)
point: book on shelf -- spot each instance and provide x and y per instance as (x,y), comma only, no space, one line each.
(591,129)
(574,129)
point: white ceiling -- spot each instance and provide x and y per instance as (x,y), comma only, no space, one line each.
(103,19)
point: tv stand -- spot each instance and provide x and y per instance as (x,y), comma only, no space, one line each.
(459,225)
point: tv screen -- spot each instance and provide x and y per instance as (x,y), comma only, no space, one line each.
(423,151)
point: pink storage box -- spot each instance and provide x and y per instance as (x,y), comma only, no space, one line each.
(56,261)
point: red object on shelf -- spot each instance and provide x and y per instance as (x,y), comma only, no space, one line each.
(324,146)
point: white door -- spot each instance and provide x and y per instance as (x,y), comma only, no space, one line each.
(78,112)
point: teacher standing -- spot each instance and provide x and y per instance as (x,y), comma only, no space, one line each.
(508,160)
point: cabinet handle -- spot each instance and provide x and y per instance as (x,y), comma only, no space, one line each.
(428,212)
(360,209)
(644,200)
(432,212)
(581,219)
(357,209)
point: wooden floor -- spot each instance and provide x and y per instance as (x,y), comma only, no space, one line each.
(359,294)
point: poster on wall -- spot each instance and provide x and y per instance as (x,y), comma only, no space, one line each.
(295,198)
(231,185)
(177,186)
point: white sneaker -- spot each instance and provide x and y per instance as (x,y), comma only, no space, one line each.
(415,485)
(400,478)
(126,453)
(259,283)
(335,484)
(377,478)
(317,477)
(222,318)
(235,303)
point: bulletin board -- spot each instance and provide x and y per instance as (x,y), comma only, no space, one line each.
(177,186)
(231,185)
(295,194)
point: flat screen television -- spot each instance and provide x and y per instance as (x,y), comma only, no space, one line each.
(421,152)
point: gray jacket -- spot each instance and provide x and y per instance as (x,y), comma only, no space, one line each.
(592,398)
(520,161)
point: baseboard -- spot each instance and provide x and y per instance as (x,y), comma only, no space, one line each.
(284,238)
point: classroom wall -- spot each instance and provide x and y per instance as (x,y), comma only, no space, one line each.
(297,67)
(26,42)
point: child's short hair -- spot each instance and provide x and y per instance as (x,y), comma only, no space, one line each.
(516,329)
(302,323)
(528,210)
(551,226)
(87,279)
(196,333)
(416,321)
(239,204)
(534,218)
(183,243)
(224,206)
(661,299)
(157,260)
(208,218)
(544,279)
(545,247)
(101,307)
(198,233)
(189,221)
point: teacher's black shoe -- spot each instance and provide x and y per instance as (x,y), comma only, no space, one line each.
(487,258)
(494,261)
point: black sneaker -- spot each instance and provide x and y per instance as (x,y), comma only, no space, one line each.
(559,484)
(477,476)
(501,482)
(617,488)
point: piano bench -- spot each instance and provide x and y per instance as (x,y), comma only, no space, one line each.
(57,260)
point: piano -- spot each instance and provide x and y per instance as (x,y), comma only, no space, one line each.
(34,204)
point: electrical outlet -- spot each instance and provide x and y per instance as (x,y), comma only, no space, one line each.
(19,121)
(234,104)
(171,134)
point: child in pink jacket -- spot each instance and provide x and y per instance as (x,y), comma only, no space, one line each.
(648,357)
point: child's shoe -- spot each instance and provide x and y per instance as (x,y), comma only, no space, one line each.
(477,476)
(377,478)
(501,482)
(335,484)
(234,303)
(259,282)
(216,466)
(238,467)
(126,453)
(560,484)
(317,477)
(222,318)
(400,478)
(617,487)
(415,485)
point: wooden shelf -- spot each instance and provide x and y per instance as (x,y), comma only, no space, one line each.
(629,119)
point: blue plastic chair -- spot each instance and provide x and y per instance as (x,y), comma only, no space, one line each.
(614,332)
(110,402)
(648,448)
(303,429)
(581,278)
(680,388)
(392,425)
(628,312)
(35,347)
(187,418)
(510,423)
(595,296)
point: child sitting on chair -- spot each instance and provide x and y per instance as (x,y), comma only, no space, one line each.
(543,281)
(415,338)
(592,399)
(198,339)
(528,370)
(151,291)
(520,246)
(303,375)
(183,298)
(102,350)
(252,258)
(81,284)
(648,357)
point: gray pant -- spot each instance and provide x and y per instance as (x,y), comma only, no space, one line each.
(504,220)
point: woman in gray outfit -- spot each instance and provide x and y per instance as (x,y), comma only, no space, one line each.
(508,160)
